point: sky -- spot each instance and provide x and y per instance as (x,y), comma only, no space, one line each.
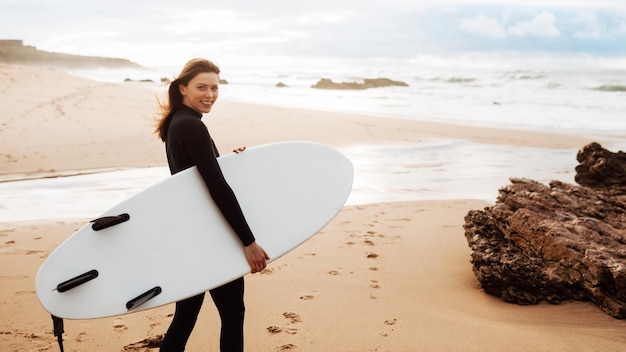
(156,32)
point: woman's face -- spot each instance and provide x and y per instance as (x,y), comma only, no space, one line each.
(201,92)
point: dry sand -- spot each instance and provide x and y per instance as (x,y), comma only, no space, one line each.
(379,277)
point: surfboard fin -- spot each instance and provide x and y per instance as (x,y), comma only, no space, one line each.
(77,281)
(143,298)
(108,221)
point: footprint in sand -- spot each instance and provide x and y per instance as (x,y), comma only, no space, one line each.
(334,272)
(8,243)
(309,296)
(82,337)
(291,331)
(24,293)
(295,317)
(371,255)
(118,325)
(274,329)
(390,322)
(150,342)
(286,347)
(309,254)
(369,242)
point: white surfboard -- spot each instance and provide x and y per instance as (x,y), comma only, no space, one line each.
(170,241)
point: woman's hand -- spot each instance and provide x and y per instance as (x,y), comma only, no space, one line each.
(256,256)
(239,150)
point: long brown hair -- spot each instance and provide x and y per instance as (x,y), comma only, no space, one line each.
(174,99)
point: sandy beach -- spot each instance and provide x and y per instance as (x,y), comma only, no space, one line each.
(379,277)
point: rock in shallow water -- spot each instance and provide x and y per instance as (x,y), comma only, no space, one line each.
(326,83)
(601,169)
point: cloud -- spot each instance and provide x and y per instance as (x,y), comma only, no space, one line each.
(542,25)
(484,25)
(324,28)
(591,26)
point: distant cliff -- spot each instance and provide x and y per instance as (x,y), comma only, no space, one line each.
(15,52)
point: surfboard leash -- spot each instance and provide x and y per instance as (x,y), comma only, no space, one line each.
(58,330)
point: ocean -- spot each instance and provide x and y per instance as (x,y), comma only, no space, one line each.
(570,99)
(587,101)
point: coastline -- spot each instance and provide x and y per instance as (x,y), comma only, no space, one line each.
(382,276)
(13,51)
(82,124)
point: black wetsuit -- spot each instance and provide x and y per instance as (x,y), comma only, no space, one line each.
(188,144)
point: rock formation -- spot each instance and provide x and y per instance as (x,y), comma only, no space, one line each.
(14,52)
(326,83)
(556,242)
(601,169)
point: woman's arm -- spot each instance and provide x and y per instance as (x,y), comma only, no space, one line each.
(198,143)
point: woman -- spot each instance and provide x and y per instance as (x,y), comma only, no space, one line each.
(187,144)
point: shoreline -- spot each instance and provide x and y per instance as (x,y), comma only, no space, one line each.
(442,169)
(150,149)
(28,151)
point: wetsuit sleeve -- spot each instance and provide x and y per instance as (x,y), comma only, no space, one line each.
(200,148)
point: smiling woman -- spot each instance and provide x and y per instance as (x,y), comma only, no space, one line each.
(201,92)
(188,144)
(196,88)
